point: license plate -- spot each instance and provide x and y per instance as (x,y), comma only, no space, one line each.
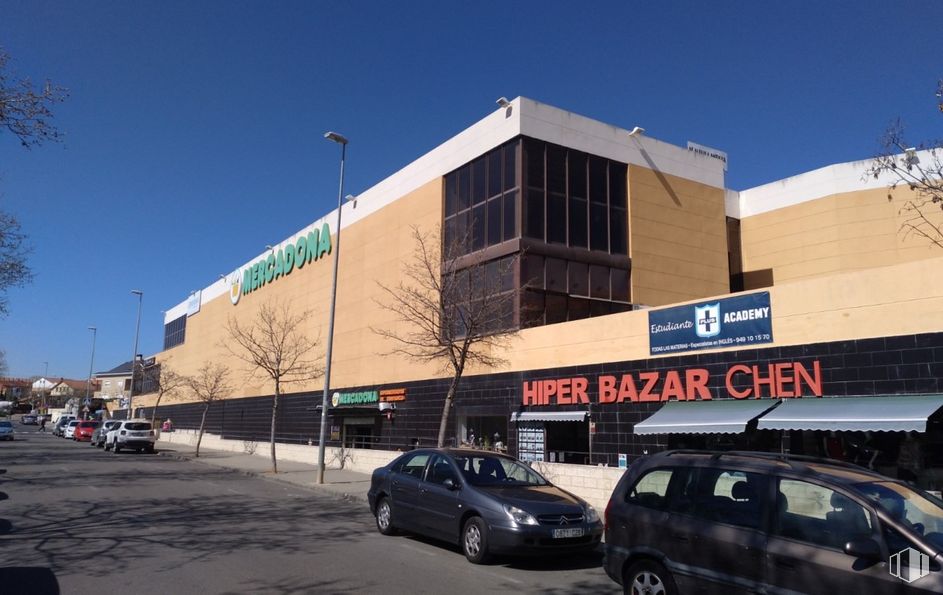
(571,532)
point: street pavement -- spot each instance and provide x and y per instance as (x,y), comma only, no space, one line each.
(77,520)
(338,483)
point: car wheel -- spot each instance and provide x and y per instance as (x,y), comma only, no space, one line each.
(475,540)
(648,578)
(385,517)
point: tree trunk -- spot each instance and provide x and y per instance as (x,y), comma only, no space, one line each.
(154,412)
(199,437)
(443,423)
(274,411)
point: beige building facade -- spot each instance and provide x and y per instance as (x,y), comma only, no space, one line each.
(611,231)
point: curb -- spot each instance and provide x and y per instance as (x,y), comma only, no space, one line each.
(345,496)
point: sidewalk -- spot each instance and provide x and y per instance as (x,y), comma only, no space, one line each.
(338,483)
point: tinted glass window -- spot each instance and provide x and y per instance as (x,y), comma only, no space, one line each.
(414,465)
(484,470)
(440,470)
(651,491)
(534,214)
(818,515)
(137,426)
(494,221)
(556,219)
(726,496)
(479,190)
(510,215)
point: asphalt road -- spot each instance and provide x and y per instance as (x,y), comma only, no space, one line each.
(77,520)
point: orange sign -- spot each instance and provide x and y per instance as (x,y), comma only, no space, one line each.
(392,395)
(779,380)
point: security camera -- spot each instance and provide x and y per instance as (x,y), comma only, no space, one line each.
(503,101)
(636,131)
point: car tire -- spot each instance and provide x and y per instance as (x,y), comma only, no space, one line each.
(648,577)
(149,450)
(384,517)
(475,541)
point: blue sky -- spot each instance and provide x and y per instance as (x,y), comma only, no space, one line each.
(193,133)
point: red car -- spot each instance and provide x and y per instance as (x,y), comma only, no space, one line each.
(83,431)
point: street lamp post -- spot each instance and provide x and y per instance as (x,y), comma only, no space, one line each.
(91,364)
(339,139)
(134,354)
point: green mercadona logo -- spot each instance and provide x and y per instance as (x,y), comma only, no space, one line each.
(276,265)
(359,398)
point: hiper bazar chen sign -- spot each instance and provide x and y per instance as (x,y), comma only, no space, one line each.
(728,322)
(306,248)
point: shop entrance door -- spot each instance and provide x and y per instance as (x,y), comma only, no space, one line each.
(358,432)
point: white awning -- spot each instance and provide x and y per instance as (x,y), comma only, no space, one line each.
(549,416)
(704,417)
(880,413)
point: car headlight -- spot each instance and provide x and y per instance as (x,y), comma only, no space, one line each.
(590,514)
(519,516)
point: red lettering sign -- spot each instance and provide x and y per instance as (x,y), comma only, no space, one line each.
(774,380)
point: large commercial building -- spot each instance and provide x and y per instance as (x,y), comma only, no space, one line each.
(656,307)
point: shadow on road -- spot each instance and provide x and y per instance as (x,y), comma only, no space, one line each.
(27,580)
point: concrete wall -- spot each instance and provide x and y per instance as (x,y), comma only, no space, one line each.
(593,484)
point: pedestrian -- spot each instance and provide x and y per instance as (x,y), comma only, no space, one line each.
(42,423)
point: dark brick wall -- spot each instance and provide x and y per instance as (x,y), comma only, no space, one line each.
(906,364)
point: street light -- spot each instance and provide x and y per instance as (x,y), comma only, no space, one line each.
(91,364)
(134,354)
(339,139)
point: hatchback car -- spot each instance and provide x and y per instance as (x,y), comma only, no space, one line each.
(135,434)
(69,430)
(29,419)
(84,430)
(101,432)
(486,502)
(737,522)
(61,423)
(6,430)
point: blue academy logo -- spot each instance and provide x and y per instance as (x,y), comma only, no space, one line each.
(707,320)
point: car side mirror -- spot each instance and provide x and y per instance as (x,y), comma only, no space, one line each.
(450,484)
(863,548)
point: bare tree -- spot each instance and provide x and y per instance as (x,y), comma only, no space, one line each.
(164,381)
(25,111)
(457,310)
(210,384)
(919,168)
(276,345)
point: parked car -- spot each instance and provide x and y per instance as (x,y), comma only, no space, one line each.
(486,502)
(83,431)
(69,430)
(29,419)
(61,423)
(132,434)
(101,432)
(736,522)
(6,430)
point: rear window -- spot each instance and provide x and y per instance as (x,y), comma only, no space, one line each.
(137,426)
(5,424)
(88,424)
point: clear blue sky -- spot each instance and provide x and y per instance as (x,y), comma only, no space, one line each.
(193,134)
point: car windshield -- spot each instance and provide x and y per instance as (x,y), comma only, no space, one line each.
(137,426)
(922,513)
(487,470)
(5,424)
